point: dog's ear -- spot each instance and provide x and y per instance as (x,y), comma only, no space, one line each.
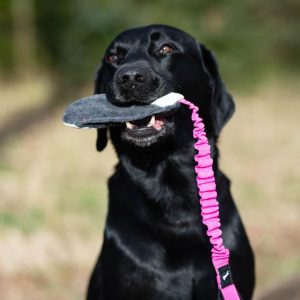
(222,103)
(101,141)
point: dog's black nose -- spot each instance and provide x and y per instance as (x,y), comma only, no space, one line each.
(130,78)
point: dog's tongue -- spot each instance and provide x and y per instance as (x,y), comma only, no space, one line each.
(97,112)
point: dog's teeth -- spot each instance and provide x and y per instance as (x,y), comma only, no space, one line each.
(151,122)
(129,125)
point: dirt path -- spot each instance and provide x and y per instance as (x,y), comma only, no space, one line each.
(286,290)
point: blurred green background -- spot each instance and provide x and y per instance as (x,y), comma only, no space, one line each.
(52,180)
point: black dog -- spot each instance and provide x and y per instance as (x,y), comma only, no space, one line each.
(155,246)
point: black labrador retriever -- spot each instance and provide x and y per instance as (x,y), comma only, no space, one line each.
(155,246)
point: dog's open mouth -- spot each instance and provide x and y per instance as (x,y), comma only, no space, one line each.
(156,122)
(149,130)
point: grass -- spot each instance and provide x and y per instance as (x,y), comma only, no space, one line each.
(23,94)
(261,156)
(28,222)
(53,194)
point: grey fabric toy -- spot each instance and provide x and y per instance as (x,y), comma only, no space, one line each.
(97,112)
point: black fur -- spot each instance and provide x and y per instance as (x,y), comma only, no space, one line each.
(155,246)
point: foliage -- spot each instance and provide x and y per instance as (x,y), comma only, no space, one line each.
(5,36)
(250,37)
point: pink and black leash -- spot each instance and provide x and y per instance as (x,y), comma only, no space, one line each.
(210,207)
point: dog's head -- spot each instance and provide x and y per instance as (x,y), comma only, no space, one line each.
(145,63)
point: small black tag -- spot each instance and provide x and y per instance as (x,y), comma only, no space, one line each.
(225,276)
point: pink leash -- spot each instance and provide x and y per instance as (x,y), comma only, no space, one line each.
(210,207)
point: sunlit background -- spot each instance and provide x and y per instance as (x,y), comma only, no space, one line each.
(53,182)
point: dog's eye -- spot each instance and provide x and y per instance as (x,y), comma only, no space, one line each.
(112,58)
(166,49)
